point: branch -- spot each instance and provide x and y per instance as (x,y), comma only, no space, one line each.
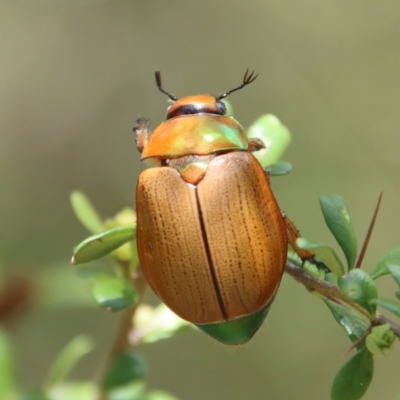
(121,339)
(330,290)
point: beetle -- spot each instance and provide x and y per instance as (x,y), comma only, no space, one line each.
(212,240)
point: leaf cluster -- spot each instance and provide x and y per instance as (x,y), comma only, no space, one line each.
(358,315)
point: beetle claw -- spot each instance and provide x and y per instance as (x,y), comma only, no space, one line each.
(256,144)
(142,131)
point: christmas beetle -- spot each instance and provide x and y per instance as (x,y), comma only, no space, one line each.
(212,241)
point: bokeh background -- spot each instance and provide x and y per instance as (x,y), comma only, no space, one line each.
(74,76)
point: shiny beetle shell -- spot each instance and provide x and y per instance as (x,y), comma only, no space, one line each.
(195,134)
(214,251)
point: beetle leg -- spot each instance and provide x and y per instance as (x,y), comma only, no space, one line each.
(293,234)
(142,132)
(255,144)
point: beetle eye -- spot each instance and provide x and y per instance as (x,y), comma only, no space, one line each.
(221,107)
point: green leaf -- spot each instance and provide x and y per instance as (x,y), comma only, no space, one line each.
(395,271)
(390,305)
(114,294)
(7,374)
(312,269)
(67,359)
(381,338)
(130,391)
(36,395)
(392,257)
(360,288)
(99,245)
(154,324)
(85,212)
(325,253)
(338,220)
(331,277)
(275,136)
(279,168)
(127,368)
(75,391)
(352,322)
(157,395)
(353,379)
(126,217)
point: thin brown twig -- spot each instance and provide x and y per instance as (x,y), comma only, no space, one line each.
(327,289)
(358,341)
(369,232)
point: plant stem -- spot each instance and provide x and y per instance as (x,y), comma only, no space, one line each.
(330,290)
(121,339)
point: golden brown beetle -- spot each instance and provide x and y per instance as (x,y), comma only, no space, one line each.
(212,240)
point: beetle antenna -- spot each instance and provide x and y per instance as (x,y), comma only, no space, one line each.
(246,80)
(158,80)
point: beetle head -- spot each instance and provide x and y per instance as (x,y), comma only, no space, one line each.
(202,103)
(199,104)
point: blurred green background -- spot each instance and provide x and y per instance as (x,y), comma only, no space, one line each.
(75,75)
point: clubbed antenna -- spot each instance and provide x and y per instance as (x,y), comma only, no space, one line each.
(246,80)
(158,80)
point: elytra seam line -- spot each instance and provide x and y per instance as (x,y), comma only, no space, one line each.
(210,262)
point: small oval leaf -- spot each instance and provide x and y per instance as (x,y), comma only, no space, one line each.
(327,255)
(114,294)
(395,271)
(99,245)
(130,391)
(381,338)
(353,379)
(67,359)
(279,168)
(34,395)
(75,391)
(312,269)
(392,257)
(360,288)
(158,395)
(154,324)
(338,220)
(275,136)
(390,305)
(127,368)
(85,212)
(352,322)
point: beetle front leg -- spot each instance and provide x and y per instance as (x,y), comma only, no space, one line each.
(142,131)
(255,144)
(293,234)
